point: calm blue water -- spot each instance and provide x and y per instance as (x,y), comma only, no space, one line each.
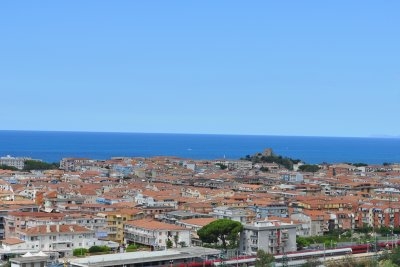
(52,146)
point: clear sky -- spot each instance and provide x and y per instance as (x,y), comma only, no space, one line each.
(309,68)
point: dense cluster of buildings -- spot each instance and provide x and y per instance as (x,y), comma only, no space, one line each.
(163,201)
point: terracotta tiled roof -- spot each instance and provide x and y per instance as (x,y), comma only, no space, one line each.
(44,229)
(12,241)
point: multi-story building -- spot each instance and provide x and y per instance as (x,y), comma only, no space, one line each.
(74,164)
(10,206)
(236,214)
(270,209)
(273,237)
(57,238)
(116,221)
(292,177)
(378,215)
(194,225)
(156,234)
(16,162)
(151,201)
(16,221)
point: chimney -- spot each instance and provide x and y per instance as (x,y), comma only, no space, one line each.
(58,228)
(48,228)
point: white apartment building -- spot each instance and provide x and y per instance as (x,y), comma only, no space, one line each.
(271,236)
(13,161)
(74,164)
(155,234)
(233,213)
(56,238)
(150,201)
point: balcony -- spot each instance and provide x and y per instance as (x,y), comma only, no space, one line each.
(141,240)
(285,237)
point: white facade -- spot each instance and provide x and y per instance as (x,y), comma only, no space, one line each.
(58,238)
(292,177)
(151,202)
(271,236)
(13,162)
(156,234)
(304,227)
(236,214)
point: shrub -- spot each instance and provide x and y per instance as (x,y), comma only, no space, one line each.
(79,252)
(96,249)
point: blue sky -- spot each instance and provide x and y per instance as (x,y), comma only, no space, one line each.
(308,68)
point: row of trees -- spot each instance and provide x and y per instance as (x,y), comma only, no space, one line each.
(30,165)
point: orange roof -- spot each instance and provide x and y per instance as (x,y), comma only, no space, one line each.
(44,229)
(12,241)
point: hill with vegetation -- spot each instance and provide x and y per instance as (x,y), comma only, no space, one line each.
(268,156)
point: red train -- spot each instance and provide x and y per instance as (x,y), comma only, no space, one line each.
(355,249)
(364,248)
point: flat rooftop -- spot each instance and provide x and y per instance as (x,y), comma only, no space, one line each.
(143,256)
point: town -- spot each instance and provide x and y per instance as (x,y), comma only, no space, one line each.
(156,207)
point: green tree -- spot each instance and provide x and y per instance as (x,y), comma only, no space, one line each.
(132,247)
(384,230)
(264,169)
(395,256)
(168,243)
(221,166)
(224,230)
(264,259)
(6,167)
(97,249)
(176,239)
(360,164)
(79,252)
(302,242)
(309,168)
(39,165)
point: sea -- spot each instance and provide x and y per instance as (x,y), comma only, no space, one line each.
(51,146)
